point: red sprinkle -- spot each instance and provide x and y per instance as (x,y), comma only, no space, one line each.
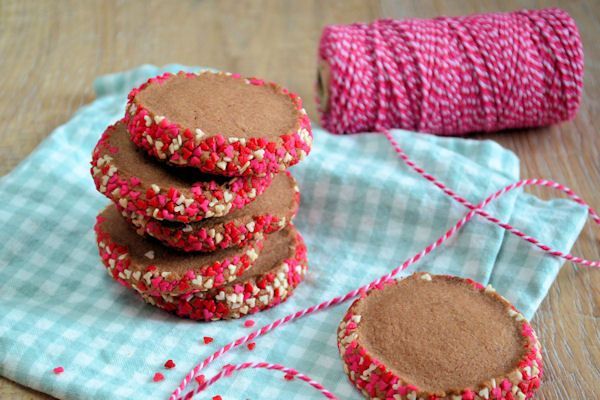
(169,364)
(208,339)
(249,323)
(158,377)
(200,379)
(251,346)
(217,397)
(288,377)
(58,370)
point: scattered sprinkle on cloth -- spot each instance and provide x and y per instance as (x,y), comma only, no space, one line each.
(363,212)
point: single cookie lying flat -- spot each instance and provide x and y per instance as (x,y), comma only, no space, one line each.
(220,123)
(439,337)
(278,270)
(270,212)
(143,186)
(147,266)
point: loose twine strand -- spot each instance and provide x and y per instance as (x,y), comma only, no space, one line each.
(445,76)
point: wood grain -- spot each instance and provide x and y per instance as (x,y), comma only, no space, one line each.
(50,52)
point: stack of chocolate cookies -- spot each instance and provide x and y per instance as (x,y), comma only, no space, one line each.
(203,204)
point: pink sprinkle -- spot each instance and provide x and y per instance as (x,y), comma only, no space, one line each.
(249,323)
(158,377)
(289,377)
(58,370)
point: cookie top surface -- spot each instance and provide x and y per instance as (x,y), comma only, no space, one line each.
(441,334)
(222,104)
(132,162)
(163,258)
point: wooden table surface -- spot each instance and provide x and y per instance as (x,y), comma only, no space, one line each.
(50,52)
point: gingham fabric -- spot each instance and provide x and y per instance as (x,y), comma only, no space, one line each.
(362,213)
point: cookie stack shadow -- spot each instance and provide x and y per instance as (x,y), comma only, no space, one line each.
(201,220)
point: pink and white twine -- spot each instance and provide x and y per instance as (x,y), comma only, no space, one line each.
(445,76)
(453,76)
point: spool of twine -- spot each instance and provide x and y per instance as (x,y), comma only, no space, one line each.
(451,76)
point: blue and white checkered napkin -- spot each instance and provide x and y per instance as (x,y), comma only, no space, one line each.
(362,213)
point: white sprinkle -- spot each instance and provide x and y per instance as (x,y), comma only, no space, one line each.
(484,393)
(287,158)
(259,154)
(426,277)
(149,254)
(197,281)
(252,254)
(222,165)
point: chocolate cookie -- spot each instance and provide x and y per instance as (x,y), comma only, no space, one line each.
(278,270)
(270,212)
(149,267)
(143,186)
(220,123)
(439,337)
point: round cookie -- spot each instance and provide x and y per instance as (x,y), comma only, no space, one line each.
(439,337)
(220,123)
(278,270)
(147,266)
(143,186)
(270,212)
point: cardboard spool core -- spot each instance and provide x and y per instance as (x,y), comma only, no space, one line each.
(323,81)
